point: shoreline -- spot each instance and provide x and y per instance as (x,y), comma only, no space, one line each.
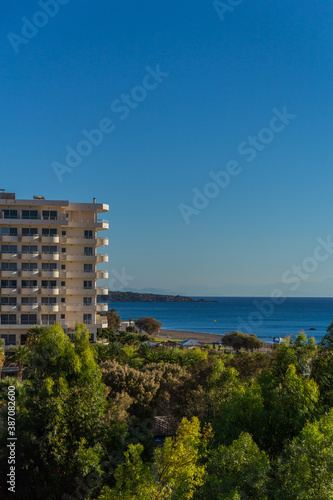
(206,338)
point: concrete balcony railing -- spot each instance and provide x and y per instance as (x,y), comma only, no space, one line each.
(5,238)
(102,307)
(78,274)
(79,257)
(50,256)
(9,291)
(29,274)
(78,308)
(78,240)
(102,242)
(9,274)
(29,307)
(29,290)
(50,308)
(102,275)
(102,258)
(50,274)
(8,308)
(29,256)
(30,239)
(9,256)
(88,223)
(49,290)
(50,239)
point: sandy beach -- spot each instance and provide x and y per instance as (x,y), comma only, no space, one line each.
(207,338)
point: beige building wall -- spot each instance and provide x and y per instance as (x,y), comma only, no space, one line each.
(49,265)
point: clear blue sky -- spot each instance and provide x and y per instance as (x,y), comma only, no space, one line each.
(226,73)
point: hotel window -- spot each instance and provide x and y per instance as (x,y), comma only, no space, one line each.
(87,268)
(49,231)
(8,301)
(29,214)
(9,214)
(9,231)
(63,300)
(8,266)
(50,215)
(49,301)
(29,249)
(49,266)
(88,234)
(49,284)
(29,284)
(87,301)
(29,266)
(8,283)
(63,267)
(49,249)
(63,250)
(87,319)
(49,319)
(28,301)
(9,248)
(63,283)
(88,250)
(87,285)
(29,231)
(9,339)
(28,319)
(63,316)
(63,233)
(8,319)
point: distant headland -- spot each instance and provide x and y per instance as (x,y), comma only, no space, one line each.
(145,297)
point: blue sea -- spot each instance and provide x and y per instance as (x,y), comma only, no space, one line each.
(256,315)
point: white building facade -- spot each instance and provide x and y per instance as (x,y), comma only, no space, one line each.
(49,265)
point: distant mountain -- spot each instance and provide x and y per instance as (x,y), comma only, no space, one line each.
(144,297)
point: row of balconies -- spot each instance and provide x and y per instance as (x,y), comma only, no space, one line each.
(100,275)
(54,308)
(98,258)
(68,290)
(61,220)
(65,240)
(4,328)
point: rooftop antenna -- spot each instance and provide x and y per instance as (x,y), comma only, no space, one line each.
(94,200)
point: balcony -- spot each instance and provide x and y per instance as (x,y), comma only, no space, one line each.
(50,239)
(102,291)
(78,274)
(29,256)
(102,308)
(29,307)
(30,239)
(78,290)
(8,291)
(50,308)
(49,290)
(50,256)
(79,257)
(78,240)
(88,223)
(77,308)
(102,275)
(30,274)
(8,308)
(61,220)
(9,274)
(5,238)
(102,258)
(29,290)
(50,274)
(11,256)
(102,242)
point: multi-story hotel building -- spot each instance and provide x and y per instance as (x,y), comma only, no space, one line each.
(48,265)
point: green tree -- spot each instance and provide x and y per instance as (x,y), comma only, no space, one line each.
(2,355)
(327,340)
(20,356)
(148,325)
(239,340)
(114,320)
(175,473)
(305,470)
(240,470)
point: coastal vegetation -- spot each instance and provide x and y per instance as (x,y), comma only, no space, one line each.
(128,418)
(116,296)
